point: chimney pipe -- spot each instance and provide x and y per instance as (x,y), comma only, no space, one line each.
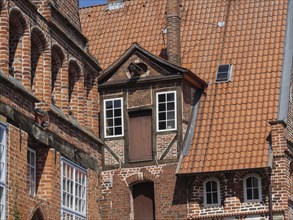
(173,31)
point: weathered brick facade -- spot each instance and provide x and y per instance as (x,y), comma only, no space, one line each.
(237,120)
(48,103)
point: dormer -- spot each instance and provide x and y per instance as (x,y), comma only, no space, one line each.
(146,104)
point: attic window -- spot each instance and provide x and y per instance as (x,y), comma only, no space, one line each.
(115,5)
(224,73)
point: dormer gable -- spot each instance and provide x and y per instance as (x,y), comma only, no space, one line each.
(138,66)
(146,105)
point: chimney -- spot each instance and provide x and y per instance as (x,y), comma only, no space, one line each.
(173,31)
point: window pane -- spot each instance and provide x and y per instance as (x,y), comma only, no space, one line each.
(109,113)
(170,106)
(215,198)
(171,115)
(170,97)
(110,131)
(162,125)
(254,182)
(118,130)
(109,122)
(170,124)
(2,135)
(117,103)
(117,112)
(109,104)
(162,116)
(214,186)
(249,194)
(223,68)
(162,98)
(118,121)
(33,159)
(208,186)
(209,198)
(248,182)
(162,107)
(255,193)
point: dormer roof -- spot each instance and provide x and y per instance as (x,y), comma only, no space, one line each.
(157,69)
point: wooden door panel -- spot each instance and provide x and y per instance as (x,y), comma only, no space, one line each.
(143,201)
(140,137)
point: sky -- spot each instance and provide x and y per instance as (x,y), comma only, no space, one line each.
(86,3)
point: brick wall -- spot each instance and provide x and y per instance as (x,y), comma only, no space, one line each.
(282,160)
(48,181)
(69,9)
(18,201)
(170,194)
(30,48)
(232,202)
(35,62)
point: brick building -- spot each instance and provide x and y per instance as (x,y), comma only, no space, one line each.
(50,151)
(227,154)
(192,118)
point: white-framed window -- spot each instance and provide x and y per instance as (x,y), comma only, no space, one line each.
(252,188)
(166,111)
(113,117)
(73,191)
(3,142)
(31,167)
(211,189)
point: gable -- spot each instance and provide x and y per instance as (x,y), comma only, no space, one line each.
(139,65)
(136,67)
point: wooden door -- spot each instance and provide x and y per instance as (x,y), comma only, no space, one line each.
(143,201)
(140,136)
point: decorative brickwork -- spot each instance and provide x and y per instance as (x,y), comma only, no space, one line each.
(36,65)
(231,197)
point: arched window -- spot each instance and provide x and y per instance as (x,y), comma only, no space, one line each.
(57,59)
(252,188)
(38,46)
(17,27)
(211,192)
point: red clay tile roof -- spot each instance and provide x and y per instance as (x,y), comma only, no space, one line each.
(232,125)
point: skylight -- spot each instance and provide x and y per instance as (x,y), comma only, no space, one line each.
(224,73)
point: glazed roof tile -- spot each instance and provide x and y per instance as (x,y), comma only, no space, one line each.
(232,124)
